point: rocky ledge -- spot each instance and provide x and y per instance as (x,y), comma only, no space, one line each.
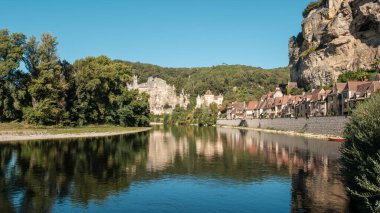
(337,36)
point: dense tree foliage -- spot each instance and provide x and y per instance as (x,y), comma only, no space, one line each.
(236,82)
(205,116)
(48,86)
(361,155)
(102,94)
(358,75)
(13,82)
(54,92)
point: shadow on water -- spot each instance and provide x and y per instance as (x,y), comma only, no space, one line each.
(38,176)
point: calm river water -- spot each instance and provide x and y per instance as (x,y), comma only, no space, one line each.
(173,169)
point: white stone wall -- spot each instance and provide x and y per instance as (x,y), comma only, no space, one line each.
(160,95)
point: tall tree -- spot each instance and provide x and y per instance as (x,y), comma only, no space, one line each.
(13,93)
(48,85)
(102,94)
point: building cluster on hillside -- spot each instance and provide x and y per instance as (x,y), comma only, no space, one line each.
(338,101)
(208,98)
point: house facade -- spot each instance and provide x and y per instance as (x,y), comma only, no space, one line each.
(208,98)
(339,101)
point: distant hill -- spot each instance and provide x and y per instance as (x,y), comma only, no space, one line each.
(236,82)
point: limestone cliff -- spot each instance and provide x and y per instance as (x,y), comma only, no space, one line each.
(337,36)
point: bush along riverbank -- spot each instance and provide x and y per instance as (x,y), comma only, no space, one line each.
(206,116)
(361,156)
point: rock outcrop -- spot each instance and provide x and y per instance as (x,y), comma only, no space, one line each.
(162,97)
(337,36)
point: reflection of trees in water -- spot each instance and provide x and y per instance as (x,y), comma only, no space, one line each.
(84,169)
(42,173)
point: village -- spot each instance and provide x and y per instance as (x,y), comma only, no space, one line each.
(340,100)
(337,101)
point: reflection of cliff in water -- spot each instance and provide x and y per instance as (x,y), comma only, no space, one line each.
(312,164)
(37,175)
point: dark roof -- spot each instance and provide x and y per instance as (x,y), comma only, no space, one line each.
(353,85)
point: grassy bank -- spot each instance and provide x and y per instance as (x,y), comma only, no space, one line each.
(21,131)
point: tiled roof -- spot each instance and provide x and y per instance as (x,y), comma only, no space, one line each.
(340,87)
(353,85)
(238,105)
(374,86)
(252,105)
(363,88)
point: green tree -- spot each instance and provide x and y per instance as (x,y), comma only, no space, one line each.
(13,82)
(214,109)
(102,94)
(358,75)
(48,86)
(361,155)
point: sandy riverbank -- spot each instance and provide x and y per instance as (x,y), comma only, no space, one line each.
(43,134)
(307,135)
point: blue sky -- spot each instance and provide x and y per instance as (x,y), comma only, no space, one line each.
(173,33)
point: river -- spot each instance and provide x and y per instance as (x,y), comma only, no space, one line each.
(173,169)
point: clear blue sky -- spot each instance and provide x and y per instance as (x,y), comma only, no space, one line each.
(174,33)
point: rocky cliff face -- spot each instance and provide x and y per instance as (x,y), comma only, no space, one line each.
(337,36)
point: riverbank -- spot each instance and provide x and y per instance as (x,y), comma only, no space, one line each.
(22,132)
(320,126)
(292,133)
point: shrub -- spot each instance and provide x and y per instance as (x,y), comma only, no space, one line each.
(361,155)
(358,75)
(308,51)
(311,6)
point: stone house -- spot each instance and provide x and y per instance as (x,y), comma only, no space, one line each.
(350,95)
(251,109)
(280,104)
(260,108)
(236,110)
(334,99)
(290,110)
(208,98)
(318,104)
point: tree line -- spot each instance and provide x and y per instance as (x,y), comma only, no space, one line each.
(51,91)
(235,82)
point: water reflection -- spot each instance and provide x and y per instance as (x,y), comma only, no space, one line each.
(42,176)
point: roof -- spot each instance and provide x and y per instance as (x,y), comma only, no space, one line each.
(252,105)
(261,104)
(370,87)
(209,92)
(361,89)
(281,100)
(339,87)
(374,86)
(353,85)
(238,105)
